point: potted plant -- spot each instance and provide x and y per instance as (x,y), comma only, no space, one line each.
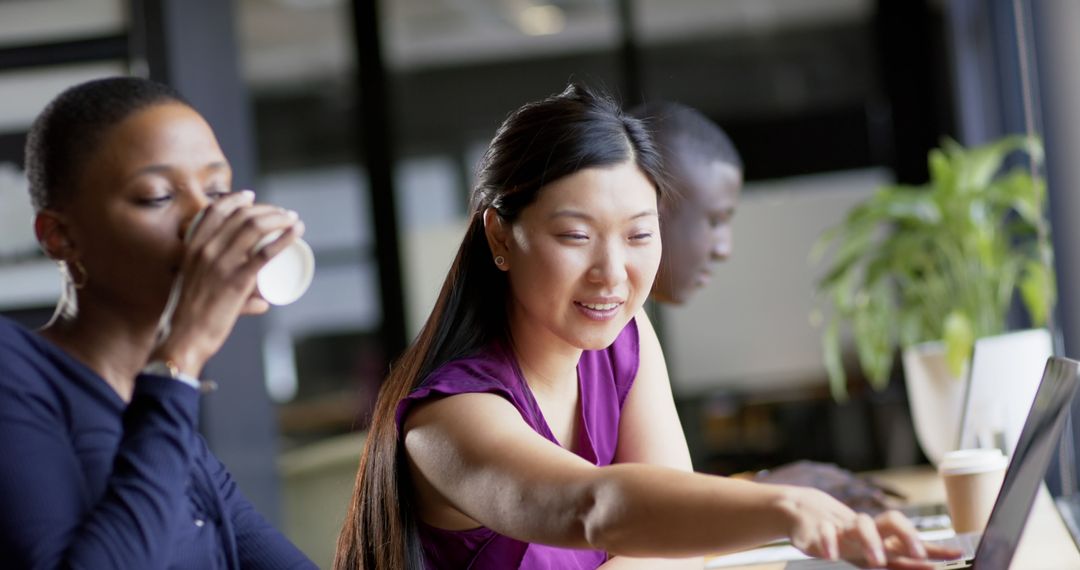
(937,263)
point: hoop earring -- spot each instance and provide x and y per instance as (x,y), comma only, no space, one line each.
(66,268)
(500,260)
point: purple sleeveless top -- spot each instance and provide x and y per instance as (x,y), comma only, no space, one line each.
(605,378)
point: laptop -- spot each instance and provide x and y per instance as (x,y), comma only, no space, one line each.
(994,549)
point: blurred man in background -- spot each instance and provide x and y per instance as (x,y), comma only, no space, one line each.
(705,176)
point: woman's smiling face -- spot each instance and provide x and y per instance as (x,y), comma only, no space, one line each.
(582,258)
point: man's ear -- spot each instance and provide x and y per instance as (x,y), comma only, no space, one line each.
(497,232)
(53,235)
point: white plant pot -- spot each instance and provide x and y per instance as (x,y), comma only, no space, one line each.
(935,396)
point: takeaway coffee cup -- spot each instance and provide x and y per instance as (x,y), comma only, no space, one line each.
(972,480)
(287,276)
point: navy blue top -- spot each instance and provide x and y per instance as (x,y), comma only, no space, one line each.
(87,481)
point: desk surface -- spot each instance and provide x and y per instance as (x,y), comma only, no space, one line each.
(1045,544)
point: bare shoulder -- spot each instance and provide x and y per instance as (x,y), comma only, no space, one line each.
(464,429)
(459,412)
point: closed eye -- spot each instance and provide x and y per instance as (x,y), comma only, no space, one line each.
(574,236)
(155,201)
(217,194)
(720,218)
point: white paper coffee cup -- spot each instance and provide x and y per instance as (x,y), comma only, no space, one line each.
(287,276)
(972,480)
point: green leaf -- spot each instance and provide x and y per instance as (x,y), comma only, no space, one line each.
(985,161)
(942,174)
(910,330)
(916,207)
(834,366)
(959,339)
(1036,290)
(1018,191)
(845,271)
(872,328)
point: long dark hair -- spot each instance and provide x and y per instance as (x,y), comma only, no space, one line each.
(539,143)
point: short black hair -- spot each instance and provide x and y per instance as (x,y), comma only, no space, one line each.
(678,128)
(68,131)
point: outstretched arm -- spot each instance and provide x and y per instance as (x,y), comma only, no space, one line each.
(477,454)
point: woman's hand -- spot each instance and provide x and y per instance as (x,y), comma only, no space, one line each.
(218,269)
(824,528)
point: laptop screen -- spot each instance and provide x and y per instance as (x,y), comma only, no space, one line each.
(1032,455)
(1005,373)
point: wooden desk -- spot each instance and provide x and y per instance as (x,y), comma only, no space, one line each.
(1045,544)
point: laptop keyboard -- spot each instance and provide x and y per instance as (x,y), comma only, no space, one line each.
(931,522)
(966,543)
(928,517)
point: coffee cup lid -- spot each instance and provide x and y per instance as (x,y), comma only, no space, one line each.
(967,461)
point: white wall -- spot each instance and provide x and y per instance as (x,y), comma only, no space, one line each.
(750,328)
(51,20)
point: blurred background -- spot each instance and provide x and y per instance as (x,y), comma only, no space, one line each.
(368,118)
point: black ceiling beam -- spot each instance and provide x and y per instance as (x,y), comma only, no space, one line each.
(105,48)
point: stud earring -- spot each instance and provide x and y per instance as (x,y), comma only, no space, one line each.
(500,260)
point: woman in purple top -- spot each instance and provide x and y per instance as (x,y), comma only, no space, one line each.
(531,424)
